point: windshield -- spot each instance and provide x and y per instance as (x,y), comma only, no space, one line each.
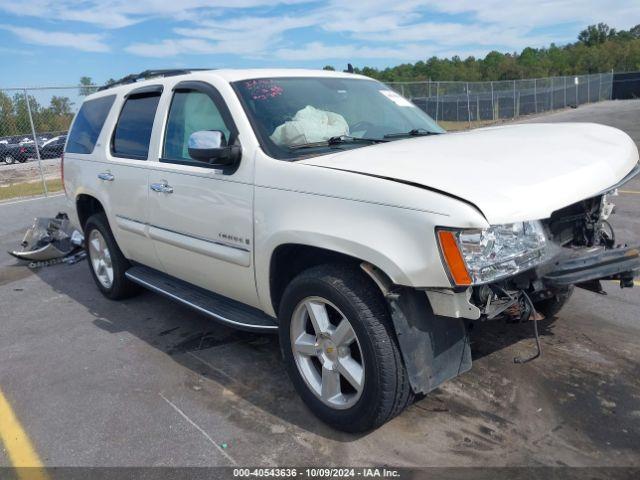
(295,117)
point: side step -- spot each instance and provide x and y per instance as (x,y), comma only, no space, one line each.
(222,309)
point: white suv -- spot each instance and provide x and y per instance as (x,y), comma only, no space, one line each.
(327,207)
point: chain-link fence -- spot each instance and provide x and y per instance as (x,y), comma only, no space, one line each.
(470,103)
(33,127)
(34,121)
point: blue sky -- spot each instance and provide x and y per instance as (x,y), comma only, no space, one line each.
(55,42)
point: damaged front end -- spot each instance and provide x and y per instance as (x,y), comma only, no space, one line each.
(581,251)
(516,273)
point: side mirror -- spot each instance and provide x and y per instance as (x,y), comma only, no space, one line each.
(211,146)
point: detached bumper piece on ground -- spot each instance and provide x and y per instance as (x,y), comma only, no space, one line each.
(49,241)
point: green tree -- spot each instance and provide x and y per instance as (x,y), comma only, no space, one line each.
(7,118)
(599,48)
(86,86)
(60,106)
(596,34)
(21,113)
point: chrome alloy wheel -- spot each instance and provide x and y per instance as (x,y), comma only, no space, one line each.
(100,259)
(327,352)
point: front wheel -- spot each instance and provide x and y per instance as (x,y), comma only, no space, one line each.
(340,349)
(550,307)
(9,160)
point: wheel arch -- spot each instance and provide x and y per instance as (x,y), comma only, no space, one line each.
(87,205)
(433,348)
(290,259)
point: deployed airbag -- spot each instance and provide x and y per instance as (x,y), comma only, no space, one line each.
(310,125)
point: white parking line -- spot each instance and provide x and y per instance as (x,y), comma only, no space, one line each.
(2,204)
(205,434)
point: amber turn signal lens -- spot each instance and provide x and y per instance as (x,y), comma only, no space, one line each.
(453,258)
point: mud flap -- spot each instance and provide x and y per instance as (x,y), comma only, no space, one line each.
(434,349)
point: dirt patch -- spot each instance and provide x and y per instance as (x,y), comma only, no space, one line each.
(28,172)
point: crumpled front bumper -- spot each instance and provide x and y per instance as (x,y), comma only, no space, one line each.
(597,263)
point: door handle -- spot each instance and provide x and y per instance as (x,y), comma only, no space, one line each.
(161,187)
(106,176)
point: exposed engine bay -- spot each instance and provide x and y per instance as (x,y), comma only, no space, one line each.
(584,252)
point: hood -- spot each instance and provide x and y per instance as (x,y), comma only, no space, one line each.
(510,173)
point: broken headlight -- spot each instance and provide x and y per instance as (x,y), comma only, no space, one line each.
(606,205)
(476,256)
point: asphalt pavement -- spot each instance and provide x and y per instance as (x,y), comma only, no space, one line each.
(146,382)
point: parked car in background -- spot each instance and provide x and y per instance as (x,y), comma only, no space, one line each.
(12,151)
(53,148)
(20,152)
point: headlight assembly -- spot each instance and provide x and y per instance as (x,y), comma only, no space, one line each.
(477,256)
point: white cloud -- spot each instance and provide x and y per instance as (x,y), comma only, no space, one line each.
(122,13)
(88,42)
(406,30)
(321,51)
(249,36)
(542,13)
(173,47)
(451,34)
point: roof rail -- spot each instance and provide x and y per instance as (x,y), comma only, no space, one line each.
(147,74)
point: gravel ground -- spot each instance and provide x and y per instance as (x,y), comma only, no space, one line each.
(28,171)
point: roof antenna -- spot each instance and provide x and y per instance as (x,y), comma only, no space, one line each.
(349,68)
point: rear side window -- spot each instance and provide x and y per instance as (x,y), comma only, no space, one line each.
(88,124)
(133,130)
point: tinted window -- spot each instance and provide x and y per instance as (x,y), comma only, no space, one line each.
(133,130)
(88,124)
(190,111)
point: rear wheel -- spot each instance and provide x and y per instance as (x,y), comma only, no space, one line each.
(106,262)
(340,349)
(9,160)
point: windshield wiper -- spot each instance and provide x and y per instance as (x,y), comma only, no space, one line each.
(416,132)
(338,140)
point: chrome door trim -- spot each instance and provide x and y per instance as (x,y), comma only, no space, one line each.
(232,254)
(204,246)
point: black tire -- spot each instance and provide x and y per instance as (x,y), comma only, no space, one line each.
(386,391)
(121,286)
(8,160)
(550,307)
